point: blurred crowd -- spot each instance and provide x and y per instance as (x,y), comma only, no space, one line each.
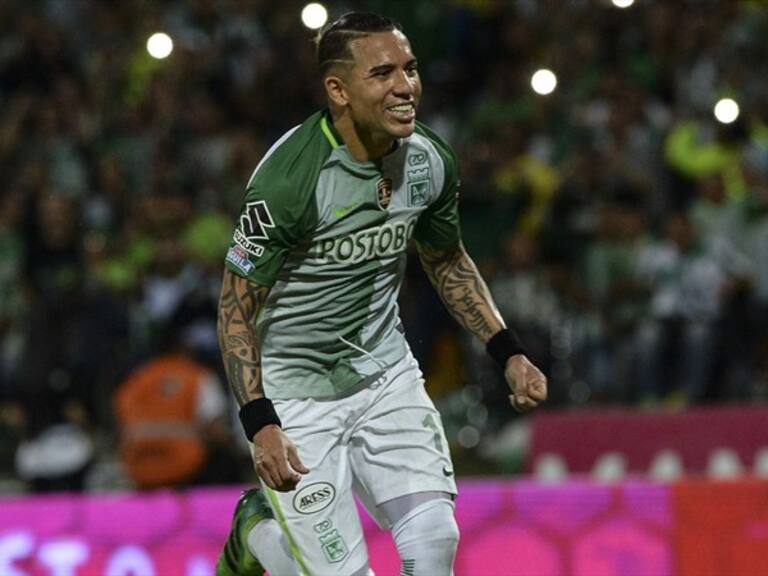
(623,230)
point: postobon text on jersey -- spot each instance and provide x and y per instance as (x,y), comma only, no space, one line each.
(386,240)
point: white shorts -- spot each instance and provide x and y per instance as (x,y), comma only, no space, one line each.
(380,443)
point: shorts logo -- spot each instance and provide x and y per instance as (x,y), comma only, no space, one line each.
(331,542)
(437,438)
(314,498)
(384,192)
(239,259)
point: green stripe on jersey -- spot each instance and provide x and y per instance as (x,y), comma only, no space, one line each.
(328,134)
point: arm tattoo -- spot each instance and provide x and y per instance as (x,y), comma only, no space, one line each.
(462,290)
(239,305)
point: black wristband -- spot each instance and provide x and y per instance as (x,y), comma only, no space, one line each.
(503,345)
(256,414)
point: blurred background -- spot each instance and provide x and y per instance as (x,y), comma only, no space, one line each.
(614,159)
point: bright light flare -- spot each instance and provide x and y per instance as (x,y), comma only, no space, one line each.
(726,110)
(159,45)
(468,437)
(543,81)
(314,15)
(623,3)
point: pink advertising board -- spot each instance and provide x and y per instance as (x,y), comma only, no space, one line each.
(580,438)
(508,528)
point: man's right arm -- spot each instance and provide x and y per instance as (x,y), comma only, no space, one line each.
(239,306)
(274,456)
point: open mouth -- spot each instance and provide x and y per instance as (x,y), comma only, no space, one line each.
(403,112)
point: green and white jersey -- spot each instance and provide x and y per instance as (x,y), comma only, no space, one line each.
(329,235)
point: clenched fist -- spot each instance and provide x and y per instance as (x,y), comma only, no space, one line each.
(527,383)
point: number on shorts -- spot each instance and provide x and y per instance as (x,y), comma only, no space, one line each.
(429,422)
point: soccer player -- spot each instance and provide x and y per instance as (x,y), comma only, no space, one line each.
(330,395)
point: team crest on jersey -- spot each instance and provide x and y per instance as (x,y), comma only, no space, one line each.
(419,183)
(384,192)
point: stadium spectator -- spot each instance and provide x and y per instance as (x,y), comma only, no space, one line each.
(172,423)
(618,294)
(679,335)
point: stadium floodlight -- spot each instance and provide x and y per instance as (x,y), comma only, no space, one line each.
(159,45)
(726,110)
(314,15)
(543,81)
(623,3)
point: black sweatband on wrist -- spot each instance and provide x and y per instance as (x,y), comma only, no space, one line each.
(256,414)
(503,345)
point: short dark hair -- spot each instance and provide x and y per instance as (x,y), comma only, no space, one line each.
(333,40)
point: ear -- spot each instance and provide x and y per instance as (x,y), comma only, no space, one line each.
(336,90)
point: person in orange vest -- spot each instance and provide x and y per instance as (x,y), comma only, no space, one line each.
(169,411)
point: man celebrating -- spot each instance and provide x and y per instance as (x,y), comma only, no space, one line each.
(330,395)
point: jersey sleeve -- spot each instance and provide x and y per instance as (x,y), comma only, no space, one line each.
(438,226)
(270,224)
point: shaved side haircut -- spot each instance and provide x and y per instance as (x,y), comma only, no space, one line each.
(333,40)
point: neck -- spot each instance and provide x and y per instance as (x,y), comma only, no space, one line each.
(363,146)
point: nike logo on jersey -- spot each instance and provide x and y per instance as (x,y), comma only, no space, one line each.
(341,211)
(447,472)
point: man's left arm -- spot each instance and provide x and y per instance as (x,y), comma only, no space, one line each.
(467,297)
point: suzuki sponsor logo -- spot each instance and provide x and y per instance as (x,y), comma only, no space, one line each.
(250,247)
(253,225)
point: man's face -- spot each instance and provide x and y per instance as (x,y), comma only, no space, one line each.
(383,85)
